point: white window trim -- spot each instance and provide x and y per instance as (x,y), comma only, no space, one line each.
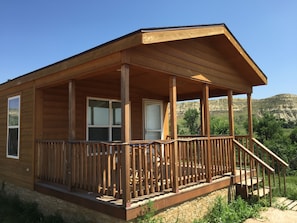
(110,126)
(11,127)
(147,102)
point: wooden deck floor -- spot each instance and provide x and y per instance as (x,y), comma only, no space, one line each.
(111,206)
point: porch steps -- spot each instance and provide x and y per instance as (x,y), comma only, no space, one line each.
(252,187)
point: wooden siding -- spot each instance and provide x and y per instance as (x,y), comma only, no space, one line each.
(19,171)
(195,59)
(55,108)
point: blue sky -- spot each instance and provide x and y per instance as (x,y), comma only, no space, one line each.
(36,33)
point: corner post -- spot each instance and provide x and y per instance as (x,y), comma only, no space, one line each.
(173,130)
(125,105)
(207,132)
(250,122)
(71,129)
(231,130)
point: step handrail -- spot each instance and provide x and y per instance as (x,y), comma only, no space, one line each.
(270,152)
(271,170)
(259,161)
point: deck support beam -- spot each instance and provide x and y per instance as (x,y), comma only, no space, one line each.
(207,132)
(125,73)
(173,129)
(71,128)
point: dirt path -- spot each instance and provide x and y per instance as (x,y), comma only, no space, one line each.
(275,215)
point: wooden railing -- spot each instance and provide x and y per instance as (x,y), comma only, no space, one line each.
(98,167)
(253,171)
(280,166)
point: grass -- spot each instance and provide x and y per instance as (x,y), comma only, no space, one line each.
(236,212)
(13,210)
(291,182)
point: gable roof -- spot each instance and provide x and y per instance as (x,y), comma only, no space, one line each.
(224,40)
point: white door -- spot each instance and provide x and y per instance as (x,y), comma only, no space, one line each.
(153,121)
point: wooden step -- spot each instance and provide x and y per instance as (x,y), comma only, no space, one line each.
(251,182)
(262,192)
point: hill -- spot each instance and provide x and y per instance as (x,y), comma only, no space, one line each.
(282,106)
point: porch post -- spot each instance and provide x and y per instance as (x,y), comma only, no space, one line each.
(71,129)
(202,117)
(250,121)
(231,130)
(125,105)
(173,129)
(207,133)
(231,113)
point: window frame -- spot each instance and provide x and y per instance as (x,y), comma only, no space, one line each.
(13,127)
(110,124)
(145,103)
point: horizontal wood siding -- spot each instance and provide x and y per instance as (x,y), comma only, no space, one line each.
(19,171)
(55,113)
(196,59)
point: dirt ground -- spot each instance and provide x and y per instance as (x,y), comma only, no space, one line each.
(273,215)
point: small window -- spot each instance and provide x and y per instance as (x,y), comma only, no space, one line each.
(104,120)
(13,127)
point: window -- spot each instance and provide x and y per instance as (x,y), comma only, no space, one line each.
(13,127)
(104,119)
(153,119)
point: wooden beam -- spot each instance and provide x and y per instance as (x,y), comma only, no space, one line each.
(173,99)
(71,130)
(231,112)
(202,117)
(173,129)
(71,110)
(250,120)
(207,132)
(231,128)
(126,133)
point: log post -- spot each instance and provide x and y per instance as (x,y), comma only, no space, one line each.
(231,129)
(173,130)
(125,105)
(71,130)
(207,132)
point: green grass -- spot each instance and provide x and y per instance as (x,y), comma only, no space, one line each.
(236,212)
(291,182)
(13,210)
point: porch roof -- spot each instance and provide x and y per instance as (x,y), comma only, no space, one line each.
(110,55)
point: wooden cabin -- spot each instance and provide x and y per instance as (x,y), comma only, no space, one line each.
(100,128)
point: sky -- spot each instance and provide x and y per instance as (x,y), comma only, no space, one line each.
(37,33)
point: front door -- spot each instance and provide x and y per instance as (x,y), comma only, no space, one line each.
(153,119)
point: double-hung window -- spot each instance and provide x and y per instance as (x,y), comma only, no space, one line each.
(103,120)
(13,127)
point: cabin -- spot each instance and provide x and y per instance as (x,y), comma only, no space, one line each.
(100,128)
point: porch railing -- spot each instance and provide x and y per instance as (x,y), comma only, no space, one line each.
(98,167)
(280,166)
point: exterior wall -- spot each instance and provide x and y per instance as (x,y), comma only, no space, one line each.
(55,108)
(19,171)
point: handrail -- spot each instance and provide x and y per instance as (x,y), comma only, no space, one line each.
(254,156)
(253,162)
(270,152)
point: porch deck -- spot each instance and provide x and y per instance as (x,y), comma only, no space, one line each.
(114,207)
(118,178)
